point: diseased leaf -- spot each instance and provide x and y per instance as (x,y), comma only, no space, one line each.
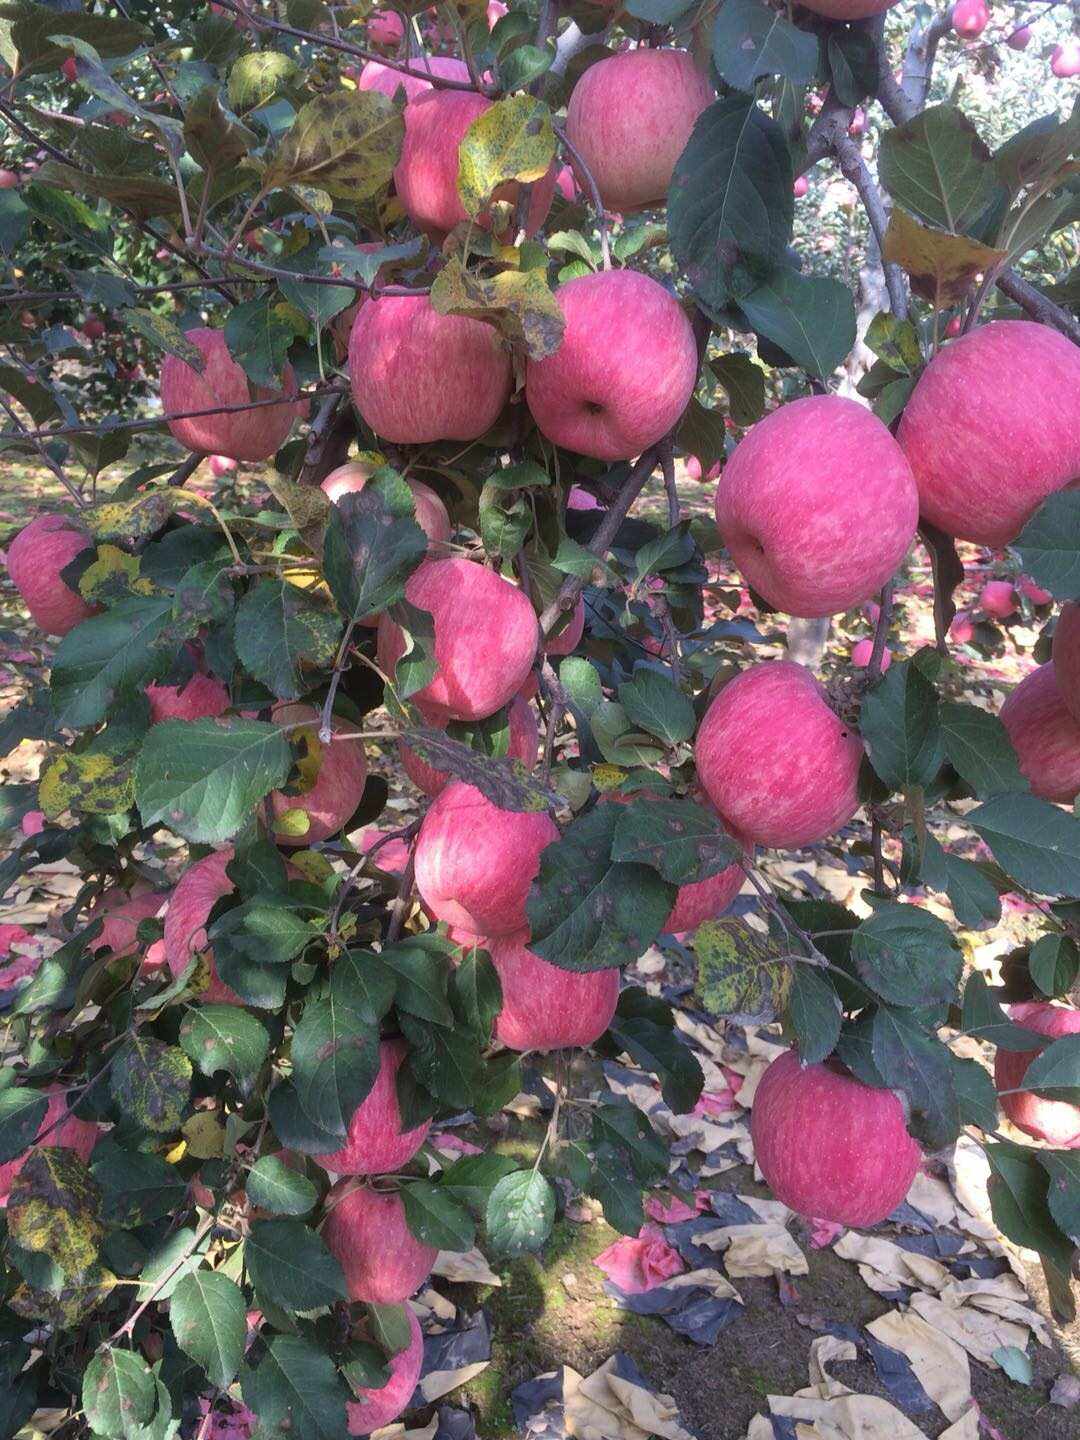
(151,1083)
(346,143)
(512,140)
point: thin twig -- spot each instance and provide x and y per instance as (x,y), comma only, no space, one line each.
(401,900)
(594,191)
(884,620)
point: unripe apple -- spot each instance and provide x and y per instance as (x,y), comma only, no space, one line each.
(970,18)
(625,370)
(418,376)
(474,863)
(1055,1121)
(1019,39)
(375,1143)
(800,186)
(829,1146)
(197,892)
(339,785)
(793,504)
(486,635)
(847,9)
(199,698)
(566,641)
(120,914)
(1045,736)
(426,175)
(776,761)
(241,434)
(1066,657)
(998,598)
(221,465)
(377,1408)
(629,118)
(861,652)
(386,81)
(431,513)
(1065,59)
(365,1229)
(8,179)
(545,1008)
(72,1134)
(993,427)
(35,558)
(524,745)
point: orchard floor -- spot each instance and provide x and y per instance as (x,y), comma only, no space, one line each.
(554,1310)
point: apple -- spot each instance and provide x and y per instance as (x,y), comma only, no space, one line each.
(9,180)
(431,513)
(702,900)
(1066,657)
(1065,59)
(861,652)
(629,118)
(1045,736)
(1019,39)
(339,781)
(1055,1121)
(970,18)
(418,376)
(93,327)
(857,124)
(197,892)
(776,761)
(377,1408)
(954,327)
(198,698)
(1035,593)
(566,184)
(120,913)
(365,1229)
(388,82)
(998,598)
(800,186)
(524,745)
(35,558)
(993,427)
(566,640)
(829,1146)
(426,174)
(385,30)
(495,12)
(241,434)
(375,1143)
(474,863)
(581,499)
(693,469)
(486,635)
(962,630)
(69,69)
(221,465)
(625,370)
(71,1134)
(545,1008)
(817,506)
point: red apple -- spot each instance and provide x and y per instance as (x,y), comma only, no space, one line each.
(197,892)
(970,18)
(1045,736)
(795,500)
(1066,656)
(1055,1121)
(200,697)
(93,327)
(629,118)
(221,465)
(861,652)
(431,513)
(625,370)
(1035,593)
(998,598)
(524,746)
(35,558)
(776,761)
(426,175)
(376,1143)
(962,630)
(242,434)
(1065,59)
(474,863)
(954,327)
(545,1008)
(486,634)
(703,900)
(365,1229)
(68,69)
(377,1408)
(418,376)
(993,428)
(339,782)
(9,180)
(1019,39)
(385,29)
(829,1146)
(566,640)
(72,1134)
(388,82)
(800,186)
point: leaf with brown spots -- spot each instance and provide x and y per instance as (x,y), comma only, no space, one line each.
(151,1083)
(519,303)
(346,144)
(90,783)
(942,267)
(513,140)
(53,1208)
(741,972)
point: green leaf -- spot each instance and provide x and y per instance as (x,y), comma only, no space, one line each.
(912,1061)
(1063,1195)
(659,1050)
(900,724)
(291,1266)
(258,76)
(373,544)
(389,1326)
(22,1111)
(1054,963)
(207,1313)
(119,1392)
(293,1127)
(258,335)
(296,1390)
(128,645)
(435,1217)
(1055,1072)
(657,705)
(446,1061)
(1019,1201)
(908,956)
(741,972)
(975,1093)
(421,978)
(978,747)
(1049,545)
(750,40)
(476,994)
(280,629)
(743,382)
(810,317)
(274,1186)
(472,1178)
(852,59)
(702,432)
(203,778)
(678,838)
(137,1188)
(937,167)
(814,1013)
(345,142)
(214,138)
(151,1083)
(520,1213)
(1033,841)
(224,1037)
(984,1019)
(361,981)
(335,1059)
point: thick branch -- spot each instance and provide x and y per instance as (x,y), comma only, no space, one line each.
(1034,303)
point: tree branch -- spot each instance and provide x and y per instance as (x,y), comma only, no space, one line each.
(1034,303)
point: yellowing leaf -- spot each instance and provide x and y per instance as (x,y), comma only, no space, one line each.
(608,777)
(740,972)
(205,1136)
(112,574)
(942,267)
(519,303)
(135,519)
(294,823)
(514,140)
(91,783)
(54,1209)
(346,144)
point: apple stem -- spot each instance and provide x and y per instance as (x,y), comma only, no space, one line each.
(884,620)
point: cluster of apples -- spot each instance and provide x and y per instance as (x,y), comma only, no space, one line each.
(970,18)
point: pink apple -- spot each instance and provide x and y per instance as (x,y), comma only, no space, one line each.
(1055,1121)
(366,1230)
(776,761)
(486,635)
(566,185)
(388,82)
(998,598)
(474,863)
(495,12)
(993,428)
(242,434)
(954,327)
(9,180)
(625,370)
(377,1408)
(198,698)
(962,630)
(829,1146)
(1066,656)
(702,900)
(1045,736)
(68,69)
(970,18)
(795,502)
(1065,59)
(35,558)
(582,499)
(71,1134)
(1019,39)
(198,890)
(221,465)
(431,513)
(339,781)
(693,469)
(1035,593)
(524,745)
(426,175)
(545,1008)
(418,376)
(375,1143)
(800,186)
(385,30)
(857,124)
(861,652)
(629,118)
(566,641)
